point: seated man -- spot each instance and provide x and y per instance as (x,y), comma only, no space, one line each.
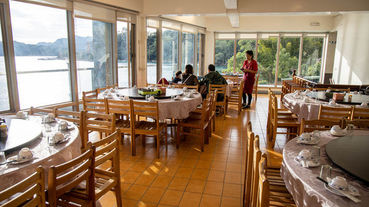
(178,77)
(213,77)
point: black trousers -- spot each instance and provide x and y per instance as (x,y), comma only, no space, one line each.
(249,97)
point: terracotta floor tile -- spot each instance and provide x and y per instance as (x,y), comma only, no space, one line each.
(204,164)
(210,201)
(216,175)
(145,178)
(153,195)
(189,163)
(232,177)
(201,174)
(195,186)
(161,181)
(178,183)
(232,190)
(184,172)
(127,202)
(135,192)
(146,204)
(190,199)
(232,167)
(130,177)
(168,171)
(218,165)
(171,197)
(213,188)
(231,202)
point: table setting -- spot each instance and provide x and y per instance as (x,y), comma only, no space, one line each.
(314,169)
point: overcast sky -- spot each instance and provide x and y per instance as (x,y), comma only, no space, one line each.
(32,23)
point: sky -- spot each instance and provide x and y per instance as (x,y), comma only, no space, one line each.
(33,23)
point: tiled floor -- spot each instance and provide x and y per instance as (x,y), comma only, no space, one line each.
(187,177)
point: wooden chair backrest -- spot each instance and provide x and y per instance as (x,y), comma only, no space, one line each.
(28,192)
(359,113)
(273,109)
(263,184)
(145,109)
(64,177)
(334,113)
(78,119)
(358,123)
(196,87)
(220,89)
(320,125)
(107,154)
(40,111)
(255,90)
(249,165)
(90,94)
(255,171)
(100,90)
(99,122)
(119,107)
(94,105)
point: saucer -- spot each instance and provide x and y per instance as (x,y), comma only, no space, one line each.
(14,160)
(307,163)
(313,141)
(351,190)
(66,138)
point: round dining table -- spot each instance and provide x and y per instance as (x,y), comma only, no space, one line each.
(169,108)
(302,183)
(33,134)
(307,107)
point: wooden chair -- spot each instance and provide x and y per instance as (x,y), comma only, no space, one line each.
(123,113)
(90,94)
(276,120)
(221,91)
(40,111)
(107,167)
(28,192)
(196,87)
(320,125)
(266,195)
(358,123)
(94,105)
(154,128)
(334,113)
(249,166)
(200,123)
(359,113)
(236,96)
(65,182)
(100,90)
(102,123)
(78,119)
(213,108)
(255,90)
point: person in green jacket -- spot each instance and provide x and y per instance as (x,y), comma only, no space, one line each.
(213,77)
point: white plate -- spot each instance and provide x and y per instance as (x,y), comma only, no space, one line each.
(351,190)
(66,138)
(14,160)
(313,141)
(309,163)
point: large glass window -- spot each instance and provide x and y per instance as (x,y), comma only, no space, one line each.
(188,49)
(288,57)
(94,54)
(312,58)
(151,55)
(41,54)
(169,53)
(123,52)
(224,50)
(198,53)
(4,98)
(267,51)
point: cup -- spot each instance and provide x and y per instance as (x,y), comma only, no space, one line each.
(325,172)
(63,125)
(2,157)
(305,137)
(304,155)
(339,183)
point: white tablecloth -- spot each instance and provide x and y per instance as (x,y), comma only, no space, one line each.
(45,155)
(303,185)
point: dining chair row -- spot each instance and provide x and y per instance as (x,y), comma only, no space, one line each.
(81,181)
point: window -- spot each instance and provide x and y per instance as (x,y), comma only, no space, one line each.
(312,58)
(4,98)
(94,54)
(41,54)
(267,51)
(151,55)
(169,53)
(198,53)
(288,57)
(224,51)
(188,49)
(123,52)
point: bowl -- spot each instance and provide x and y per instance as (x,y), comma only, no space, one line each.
(57,137)
(338,183)
(63,125)
(25,154)
(304,155)
(305,137)
(21,115)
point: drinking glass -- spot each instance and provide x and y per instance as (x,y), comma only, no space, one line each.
(2,157)
(325,172)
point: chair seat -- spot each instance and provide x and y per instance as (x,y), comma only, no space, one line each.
(192,122)
(147,125)
(274,159)
(123,124)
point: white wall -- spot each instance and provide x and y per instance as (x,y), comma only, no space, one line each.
(351,63)
(136,5)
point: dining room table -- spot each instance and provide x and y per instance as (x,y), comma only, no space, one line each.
(306,104)
(175,103)
(344,156)
(32,133)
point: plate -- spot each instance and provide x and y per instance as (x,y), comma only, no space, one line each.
(351,190)
(307,163)
(66,138)
(14,160)
(313,141)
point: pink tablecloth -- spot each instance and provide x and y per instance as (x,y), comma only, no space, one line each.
(307,110)
(303,185)
(45,155)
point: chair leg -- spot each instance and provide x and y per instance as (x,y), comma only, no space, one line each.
(166,137)
(158,146)
(178,136)
(133,144)
(202,140)
(214,124)
(118,193)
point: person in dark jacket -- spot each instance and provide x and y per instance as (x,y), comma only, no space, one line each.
(178,77)
(188,78)
(213,77)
